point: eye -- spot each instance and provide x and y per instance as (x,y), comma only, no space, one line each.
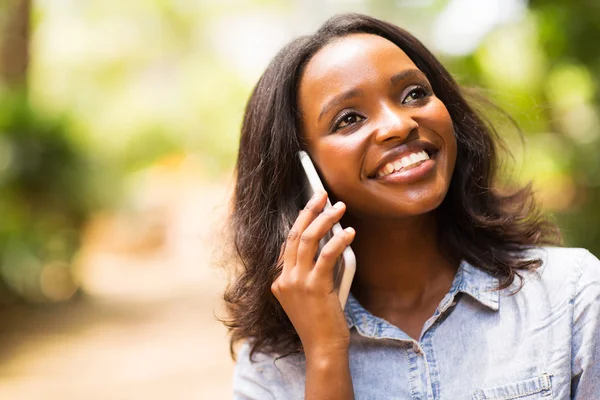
(345,120)
(416,93)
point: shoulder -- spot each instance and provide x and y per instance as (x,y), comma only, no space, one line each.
(566,261)
(564,270)
(251,375)
(259,362)
(265,376)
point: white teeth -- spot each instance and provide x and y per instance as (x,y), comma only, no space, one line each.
(402,163)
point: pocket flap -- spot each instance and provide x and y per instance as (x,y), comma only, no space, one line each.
(541,385)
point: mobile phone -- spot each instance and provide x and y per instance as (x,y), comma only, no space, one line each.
(346,263)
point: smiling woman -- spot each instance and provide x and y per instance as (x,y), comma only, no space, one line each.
(460,292)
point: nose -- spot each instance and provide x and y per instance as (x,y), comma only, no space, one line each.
(394,123)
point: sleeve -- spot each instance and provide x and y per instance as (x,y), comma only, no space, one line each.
(249,382)
(585,356)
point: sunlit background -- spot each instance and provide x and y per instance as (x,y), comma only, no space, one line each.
(119,123)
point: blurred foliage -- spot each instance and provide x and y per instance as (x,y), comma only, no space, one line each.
(567,34)
(543,70)
(44,201)
(136,75)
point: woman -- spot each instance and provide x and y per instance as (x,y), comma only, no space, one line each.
(460,292)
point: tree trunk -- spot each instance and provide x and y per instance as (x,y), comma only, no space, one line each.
(14,42)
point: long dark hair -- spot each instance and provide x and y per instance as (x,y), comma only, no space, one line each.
(477,223)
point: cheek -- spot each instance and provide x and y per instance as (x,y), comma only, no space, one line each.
(442,124)
(339,167)
(451,145)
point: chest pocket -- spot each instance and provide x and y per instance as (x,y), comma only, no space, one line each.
(529,389)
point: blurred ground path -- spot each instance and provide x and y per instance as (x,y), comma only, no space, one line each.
(146,329)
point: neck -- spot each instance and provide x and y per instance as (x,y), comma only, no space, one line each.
(399,262)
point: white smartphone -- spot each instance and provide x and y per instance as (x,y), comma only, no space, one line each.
(346,264)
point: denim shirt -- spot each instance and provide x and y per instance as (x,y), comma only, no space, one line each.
(541,343)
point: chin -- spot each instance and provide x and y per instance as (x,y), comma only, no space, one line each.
(420,201)
(396,208)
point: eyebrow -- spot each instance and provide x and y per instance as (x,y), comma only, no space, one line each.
(406,74)
(340,99)
(400,76)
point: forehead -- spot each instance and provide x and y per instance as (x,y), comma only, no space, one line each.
(351,59)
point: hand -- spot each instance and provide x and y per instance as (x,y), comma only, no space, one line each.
(305,287)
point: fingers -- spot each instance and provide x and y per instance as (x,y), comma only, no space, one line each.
(307,215)
(312,235)
(331,251)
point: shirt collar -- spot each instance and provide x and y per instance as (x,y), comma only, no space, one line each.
(479,284)
(475,282)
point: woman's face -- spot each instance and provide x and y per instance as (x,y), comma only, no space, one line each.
(383,142)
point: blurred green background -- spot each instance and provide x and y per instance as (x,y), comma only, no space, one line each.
(119,118)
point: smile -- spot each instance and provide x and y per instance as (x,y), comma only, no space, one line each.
(404,163)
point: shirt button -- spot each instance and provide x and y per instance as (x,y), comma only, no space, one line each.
(416,348)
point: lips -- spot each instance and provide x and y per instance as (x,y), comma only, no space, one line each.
(401,151)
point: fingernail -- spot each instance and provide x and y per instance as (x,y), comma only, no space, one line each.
(349,230)
(339,204)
